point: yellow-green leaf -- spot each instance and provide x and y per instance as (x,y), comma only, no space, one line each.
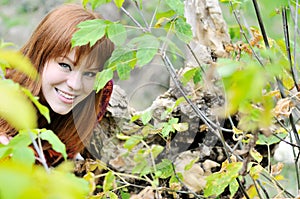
(116,33)
(181,126)
(56,143)
(119,3)
(89,32)
(109,181)
(15,107)
(16,60)
(43,109)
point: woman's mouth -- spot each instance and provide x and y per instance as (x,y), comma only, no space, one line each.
(65,97)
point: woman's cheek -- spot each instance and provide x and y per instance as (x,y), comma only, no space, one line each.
(89,86)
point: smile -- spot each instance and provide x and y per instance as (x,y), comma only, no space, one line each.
(66,97)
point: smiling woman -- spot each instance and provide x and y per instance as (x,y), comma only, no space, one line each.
(66,79)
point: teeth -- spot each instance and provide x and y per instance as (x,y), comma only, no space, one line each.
(65,95)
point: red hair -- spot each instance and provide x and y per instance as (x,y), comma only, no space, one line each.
(52,39)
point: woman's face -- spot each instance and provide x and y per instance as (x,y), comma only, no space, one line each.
(65,84)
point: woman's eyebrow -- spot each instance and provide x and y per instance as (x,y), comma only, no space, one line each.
(70,60)
(94,68)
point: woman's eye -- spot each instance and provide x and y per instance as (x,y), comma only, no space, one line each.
(90,74)
(65,66)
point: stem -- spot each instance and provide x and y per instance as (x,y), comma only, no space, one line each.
(288,47)
(141,14)
(295,38)
(243,33)
(278,185)
(264,190)
(40,153)
(260,22)
(196,58)
(134,20)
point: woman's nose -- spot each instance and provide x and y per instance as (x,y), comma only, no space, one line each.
(74,80)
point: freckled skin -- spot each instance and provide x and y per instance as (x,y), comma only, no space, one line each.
(64,84)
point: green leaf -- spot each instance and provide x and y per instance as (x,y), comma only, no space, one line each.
(123,71)
(256,155)
(125,195)
(119,3)
(166,14)
(56,143)
(181,126)
(217,182)
(124,56)
(188,75)
(5,151)
(141,167)
(90,31)
(95,3)
(22,139)
(233,187)
(190,164)
(15,107)
(168,127)
(116,32)
(166,169)
(183,30)
(112,195)
(102,78)
(5,44)
(147,47)
(109,181)
(18,61)
(23,154)
(25,181)
(132,141)
(176,5)
(43,109)
(264,140)
(146,117)
(198,76)
(156,150)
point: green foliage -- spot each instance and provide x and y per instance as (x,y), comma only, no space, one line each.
(20,181)
(192,74)
(12,98)
(217,182)
(95,3)
(55,142)
(147,46)
(89,32)
(9,58)
(102,78)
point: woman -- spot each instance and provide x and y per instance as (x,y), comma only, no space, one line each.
(66,79)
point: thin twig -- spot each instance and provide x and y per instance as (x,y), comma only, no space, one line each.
(141,14)
(278,185)
(244,34)
(264,190)
(134,20)
(40,153)
(154,14)
(260,22)
(288,48)
(295,40)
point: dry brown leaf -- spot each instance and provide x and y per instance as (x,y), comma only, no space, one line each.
(277,168)
(283,107)
(146,193)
